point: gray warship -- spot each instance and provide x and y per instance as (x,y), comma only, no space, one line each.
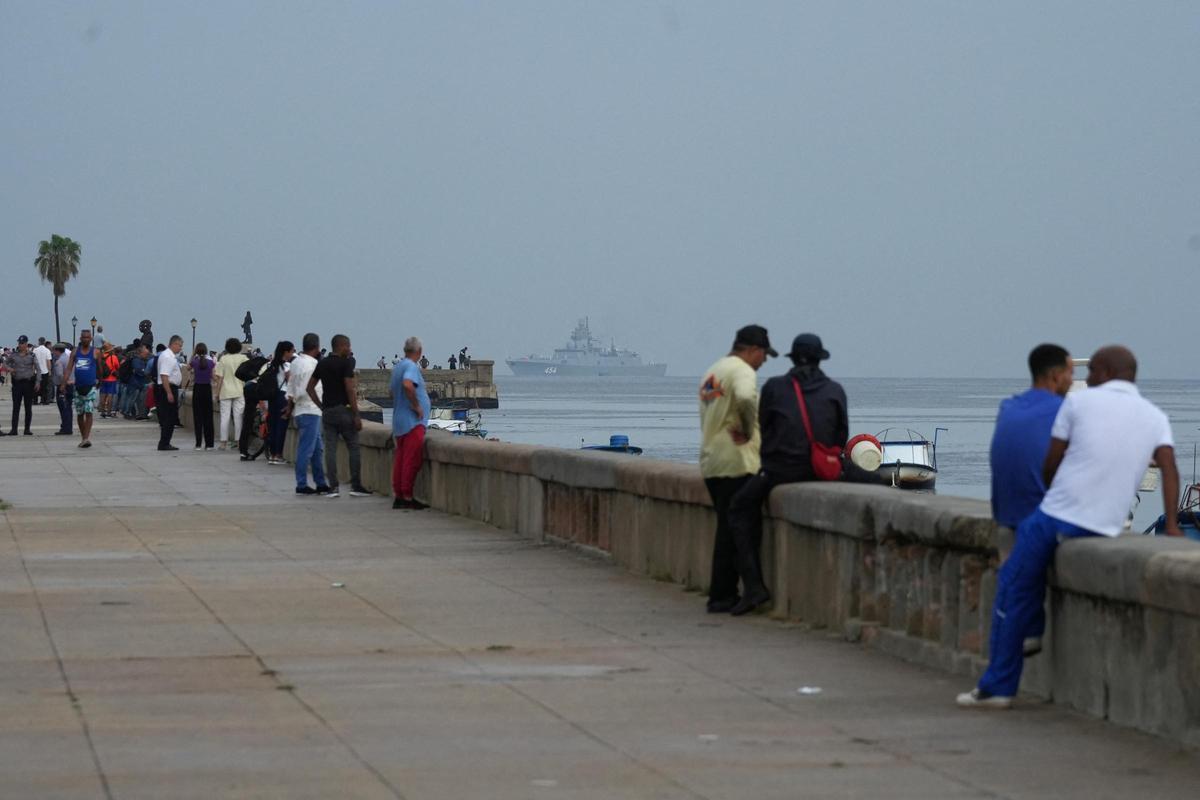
(585,357)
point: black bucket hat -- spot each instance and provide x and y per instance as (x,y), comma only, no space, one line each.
(808,346)
(755,336)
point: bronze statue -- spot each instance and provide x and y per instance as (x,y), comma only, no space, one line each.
(246,323)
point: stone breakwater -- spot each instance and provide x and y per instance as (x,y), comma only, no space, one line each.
(473,384)
(913,575)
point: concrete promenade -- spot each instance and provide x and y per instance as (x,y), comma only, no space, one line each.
(178,625)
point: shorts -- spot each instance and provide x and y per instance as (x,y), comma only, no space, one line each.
(85,401)
(108,387)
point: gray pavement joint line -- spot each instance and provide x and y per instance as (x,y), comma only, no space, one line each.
(362,761)
(667,654)
(471,662)
(76,705)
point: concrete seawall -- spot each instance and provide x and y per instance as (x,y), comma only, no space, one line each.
(913,575)
(474,383)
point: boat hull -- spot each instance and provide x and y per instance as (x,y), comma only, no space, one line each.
(530,368)
(908,476)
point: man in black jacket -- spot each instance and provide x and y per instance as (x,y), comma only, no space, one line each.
(785,452)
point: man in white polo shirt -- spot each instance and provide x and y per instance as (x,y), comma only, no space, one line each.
(166,392)
(1100,444)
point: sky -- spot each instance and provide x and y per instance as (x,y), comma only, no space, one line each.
(933,187)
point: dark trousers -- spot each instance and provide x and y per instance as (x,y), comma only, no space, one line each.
(22,394)
(745,518)
(202,413)
(338,423)
(723,580)
(277,429)
(168,413)
(65,398)
(248,412)
(47,389)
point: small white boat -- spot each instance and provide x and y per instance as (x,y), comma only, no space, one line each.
(909,460)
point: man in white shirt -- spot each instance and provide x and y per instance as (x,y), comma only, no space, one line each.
(42,354)
(166,392)
(1100,444)
(305,408)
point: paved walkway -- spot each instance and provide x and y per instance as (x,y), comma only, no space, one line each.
(181,625)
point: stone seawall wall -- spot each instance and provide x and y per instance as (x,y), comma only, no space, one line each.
(473,383)
(910,574)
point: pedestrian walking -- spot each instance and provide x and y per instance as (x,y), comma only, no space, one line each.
(1093,478)
(64,395)
(26,383)
(166,392)
(304,407)
(229,390)
(729,448)
(43,355)
(110,367)
(410,417)
(134,406)
(339,409)
(82,375)
(202,396)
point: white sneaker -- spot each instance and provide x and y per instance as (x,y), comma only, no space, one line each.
(978,699)
(198,447)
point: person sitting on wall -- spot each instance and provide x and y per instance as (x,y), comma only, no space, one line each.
(1101,441)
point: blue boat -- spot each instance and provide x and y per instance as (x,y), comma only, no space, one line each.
(617,443)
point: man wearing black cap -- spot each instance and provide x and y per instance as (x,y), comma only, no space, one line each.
(26,383)
(729,448)
(786,455)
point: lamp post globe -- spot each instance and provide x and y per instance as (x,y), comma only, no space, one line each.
(74,325)
(93,320)
(193,334)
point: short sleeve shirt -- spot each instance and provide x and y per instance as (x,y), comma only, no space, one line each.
(1111,433)
(1018,451)
(728,395)
(169,366)
(404,419)
(226,370)
(332,372)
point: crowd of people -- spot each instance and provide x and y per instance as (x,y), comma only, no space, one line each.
(229,391)
(1058,472)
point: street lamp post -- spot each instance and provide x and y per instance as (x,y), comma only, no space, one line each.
(93,327)
(193,334)
(74,324)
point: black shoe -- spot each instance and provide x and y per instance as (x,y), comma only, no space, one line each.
(12,432)
(29,433)
(723,606)
(751,601)
(167,447)
(305,490)
(398,503)
(63,433)
(359,491)
(417,505)
(323,489)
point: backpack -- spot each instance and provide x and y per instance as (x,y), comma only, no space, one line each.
(268,384)
(125,373)
(248,370)
(105,366)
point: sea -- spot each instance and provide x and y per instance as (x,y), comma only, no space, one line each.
(660,416)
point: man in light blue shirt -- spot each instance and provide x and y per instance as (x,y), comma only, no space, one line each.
(410,417)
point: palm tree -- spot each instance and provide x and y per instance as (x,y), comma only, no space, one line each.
(57,262)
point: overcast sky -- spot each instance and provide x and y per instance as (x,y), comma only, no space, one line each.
(932,187)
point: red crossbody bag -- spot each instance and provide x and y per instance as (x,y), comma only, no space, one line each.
(826,459)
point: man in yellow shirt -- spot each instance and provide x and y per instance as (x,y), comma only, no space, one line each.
(729,442)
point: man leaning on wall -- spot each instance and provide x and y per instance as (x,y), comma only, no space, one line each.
(1101,441)
(729,444)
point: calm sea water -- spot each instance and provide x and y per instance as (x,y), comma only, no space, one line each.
(660,415)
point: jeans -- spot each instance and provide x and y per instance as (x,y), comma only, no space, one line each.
(1020,596)
(339,422)
(65,398)
(406,462)
(22,394)
(310,450)
(723,580)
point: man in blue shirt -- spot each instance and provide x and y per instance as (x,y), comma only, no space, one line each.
(410,417)
(1019,448)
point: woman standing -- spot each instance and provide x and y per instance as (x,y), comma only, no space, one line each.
(202,399)
(276,377)
(229,392)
